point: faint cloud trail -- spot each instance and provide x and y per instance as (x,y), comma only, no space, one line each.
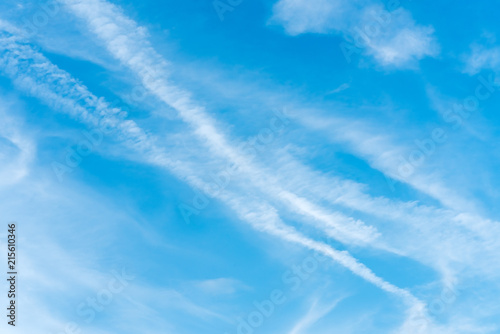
(58,89)
(128,43)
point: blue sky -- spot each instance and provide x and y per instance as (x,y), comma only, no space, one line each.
(240,167)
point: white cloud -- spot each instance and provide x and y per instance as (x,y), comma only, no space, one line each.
(64,94)
(264,216)
(481,58)
(127,42)
(136,51)
(443,243)
(392,38)
(17,151)
(401,42)
(314,16)
(316,311)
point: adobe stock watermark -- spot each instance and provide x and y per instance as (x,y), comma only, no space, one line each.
(221,7)
(88,309)
(456,117)
(361,36)
(221,180)
(292,279)
(44,13)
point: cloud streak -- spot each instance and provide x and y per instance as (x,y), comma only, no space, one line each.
(58,89)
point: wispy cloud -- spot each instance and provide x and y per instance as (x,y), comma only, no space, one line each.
(16,151)
(390,35)
(128,43)
(40,83)
(318,16)
(284,192)
(316,311)
(482,57)
(220,286)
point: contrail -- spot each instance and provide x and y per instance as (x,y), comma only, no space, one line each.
(33,73)
(127,42)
